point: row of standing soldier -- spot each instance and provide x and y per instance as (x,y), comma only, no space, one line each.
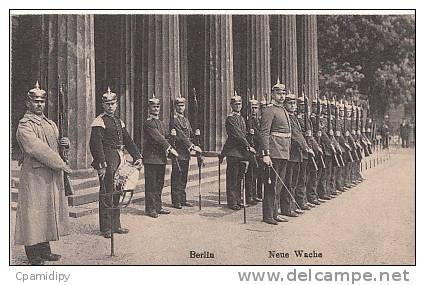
(307,157)
(108,140)
(304,162)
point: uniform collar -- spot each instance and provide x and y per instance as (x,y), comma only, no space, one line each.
(34,117)
(236,113)
(107,114)
(154,116)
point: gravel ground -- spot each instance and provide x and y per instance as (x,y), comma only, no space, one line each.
(373,223)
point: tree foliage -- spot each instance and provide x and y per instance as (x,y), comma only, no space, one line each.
(368,56)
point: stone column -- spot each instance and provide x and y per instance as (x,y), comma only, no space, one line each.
(68,54)
(184,88)
(160,59)
(252,50)
(217,85)
(284,51)
(308,71)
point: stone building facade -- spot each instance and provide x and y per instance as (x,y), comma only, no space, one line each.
(138,55)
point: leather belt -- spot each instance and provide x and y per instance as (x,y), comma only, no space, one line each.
(119,147)
(282,135)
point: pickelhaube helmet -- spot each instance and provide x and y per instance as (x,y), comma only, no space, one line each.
(235,98)
(279,86)
(253,101)
(37,93)
(180,99)
(301,100)
(263,102)
(290,97)
(153,100)
(109,96)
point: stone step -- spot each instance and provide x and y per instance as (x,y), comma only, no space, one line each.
(88,181)
(90,193)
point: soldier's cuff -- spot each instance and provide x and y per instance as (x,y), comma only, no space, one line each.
(102,165)
(191,147)
(265,153)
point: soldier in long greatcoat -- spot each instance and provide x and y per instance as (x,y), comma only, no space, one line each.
(42,210)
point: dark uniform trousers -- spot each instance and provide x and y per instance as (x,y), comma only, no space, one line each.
(325,177)
(272,191)
(179,181)
(301,188)
(332,181)
(154,182)
(287,196)
(339,177)
(234,176)
(348,180)
(312,175)
(106,199)
(254,180)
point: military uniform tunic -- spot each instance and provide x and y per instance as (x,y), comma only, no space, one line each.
(254,177)
(108,139)
(155,150)
(236,150)
(275,133)
(296,156)
(183,144)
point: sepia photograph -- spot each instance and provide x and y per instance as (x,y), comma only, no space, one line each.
(212,137)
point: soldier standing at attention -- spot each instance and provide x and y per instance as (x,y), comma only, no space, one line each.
(183,146)
(155,151)
(108,139)
(298,150)
(254,177)
(275,142)
(42,210)
(323,189)
(236,149)
(307,182)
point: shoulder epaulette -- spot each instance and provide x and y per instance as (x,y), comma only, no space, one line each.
(98,122)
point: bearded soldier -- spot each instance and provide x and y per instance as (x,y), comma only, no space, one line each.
(42,210)
(108,139)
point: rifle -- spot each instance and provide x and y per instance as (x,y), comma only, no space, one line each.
(362,135)
(330,131)
(197,142)
(63,132)
(358,149)
(344,122)
(173,132)
(341,159)
(320,156)
(308,128)
(251,131)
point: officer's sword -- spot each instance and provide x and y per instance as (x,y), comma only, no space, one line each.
(286,188)
(244,164)
(281,180)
